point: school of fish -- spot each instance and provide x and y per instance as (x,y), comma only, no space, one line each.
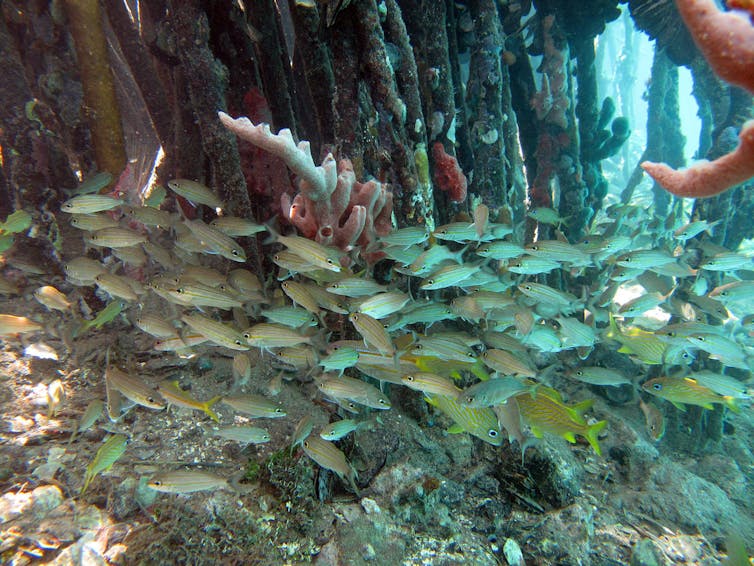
(467,316)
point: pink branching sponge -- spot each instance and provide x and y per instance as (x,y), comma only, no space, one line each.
(331,207)
(727,41)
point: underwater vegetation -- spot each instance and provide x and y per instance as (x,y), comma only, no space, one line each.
(376,282)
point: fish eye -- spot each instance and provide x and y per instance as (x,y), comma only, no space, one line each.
(234,252)
(431,281)
(419,347)
(278,410)
(700,338)
(382,402)
(246,335)
(158,483)
(409,378)
(180,290)
(657,386)
(150,399)
(469,399)
(579,373)
(334,286)
(329,261)
(469,354)
(239,343)
(527,287)
(492,433)
(534,248)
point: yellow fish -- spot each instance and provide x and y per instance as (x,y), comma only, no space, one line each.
(545,412)
(686,391)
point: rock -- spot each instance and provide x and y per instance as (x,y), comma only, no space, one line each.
(645,553)
(557,472)
(44,499)
(513,553)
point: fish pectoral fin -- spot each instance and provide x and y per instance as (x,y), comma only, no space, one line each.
(456,429)
(730,402)
(569,436)
(536,431)
(679,406)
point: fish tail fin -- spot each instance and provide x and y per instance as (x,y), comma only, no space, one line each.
(731,404)
(613,331)
(592,433)
(207,408)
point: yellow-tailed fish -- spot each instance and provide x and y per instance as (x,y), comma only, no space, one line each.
(216,241)
(303,429)
(89,204)
(544,412)
(644,259)
(382,305)
(241,368)
(150,216)
(117,286)
(499,250)
(200,295)
(93,222)
(430,383)
(654,418)
(159,255)
(203,275)
(10,324)
(531,265)
(53,299)
(106,456)
(116,237)
(92,412)
(443,348)
(270,335)
(93,184)
(491,392)
(155,325)
(133,388)
(300,295)
(195,192)
(481,423)
(132,255)
(83,269)
(298,357)
(354,390)
(686,391)
(448,276)
(598,376)
(255,406)
(507,363)
(172,393)
(559,251)
(180,344)
(187,481)
(242,434)
(315,253)
(217,332)
(327,455)
(292,317)
(236,227)
(340,360)
(373,332)
(244,281)
(339,429)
